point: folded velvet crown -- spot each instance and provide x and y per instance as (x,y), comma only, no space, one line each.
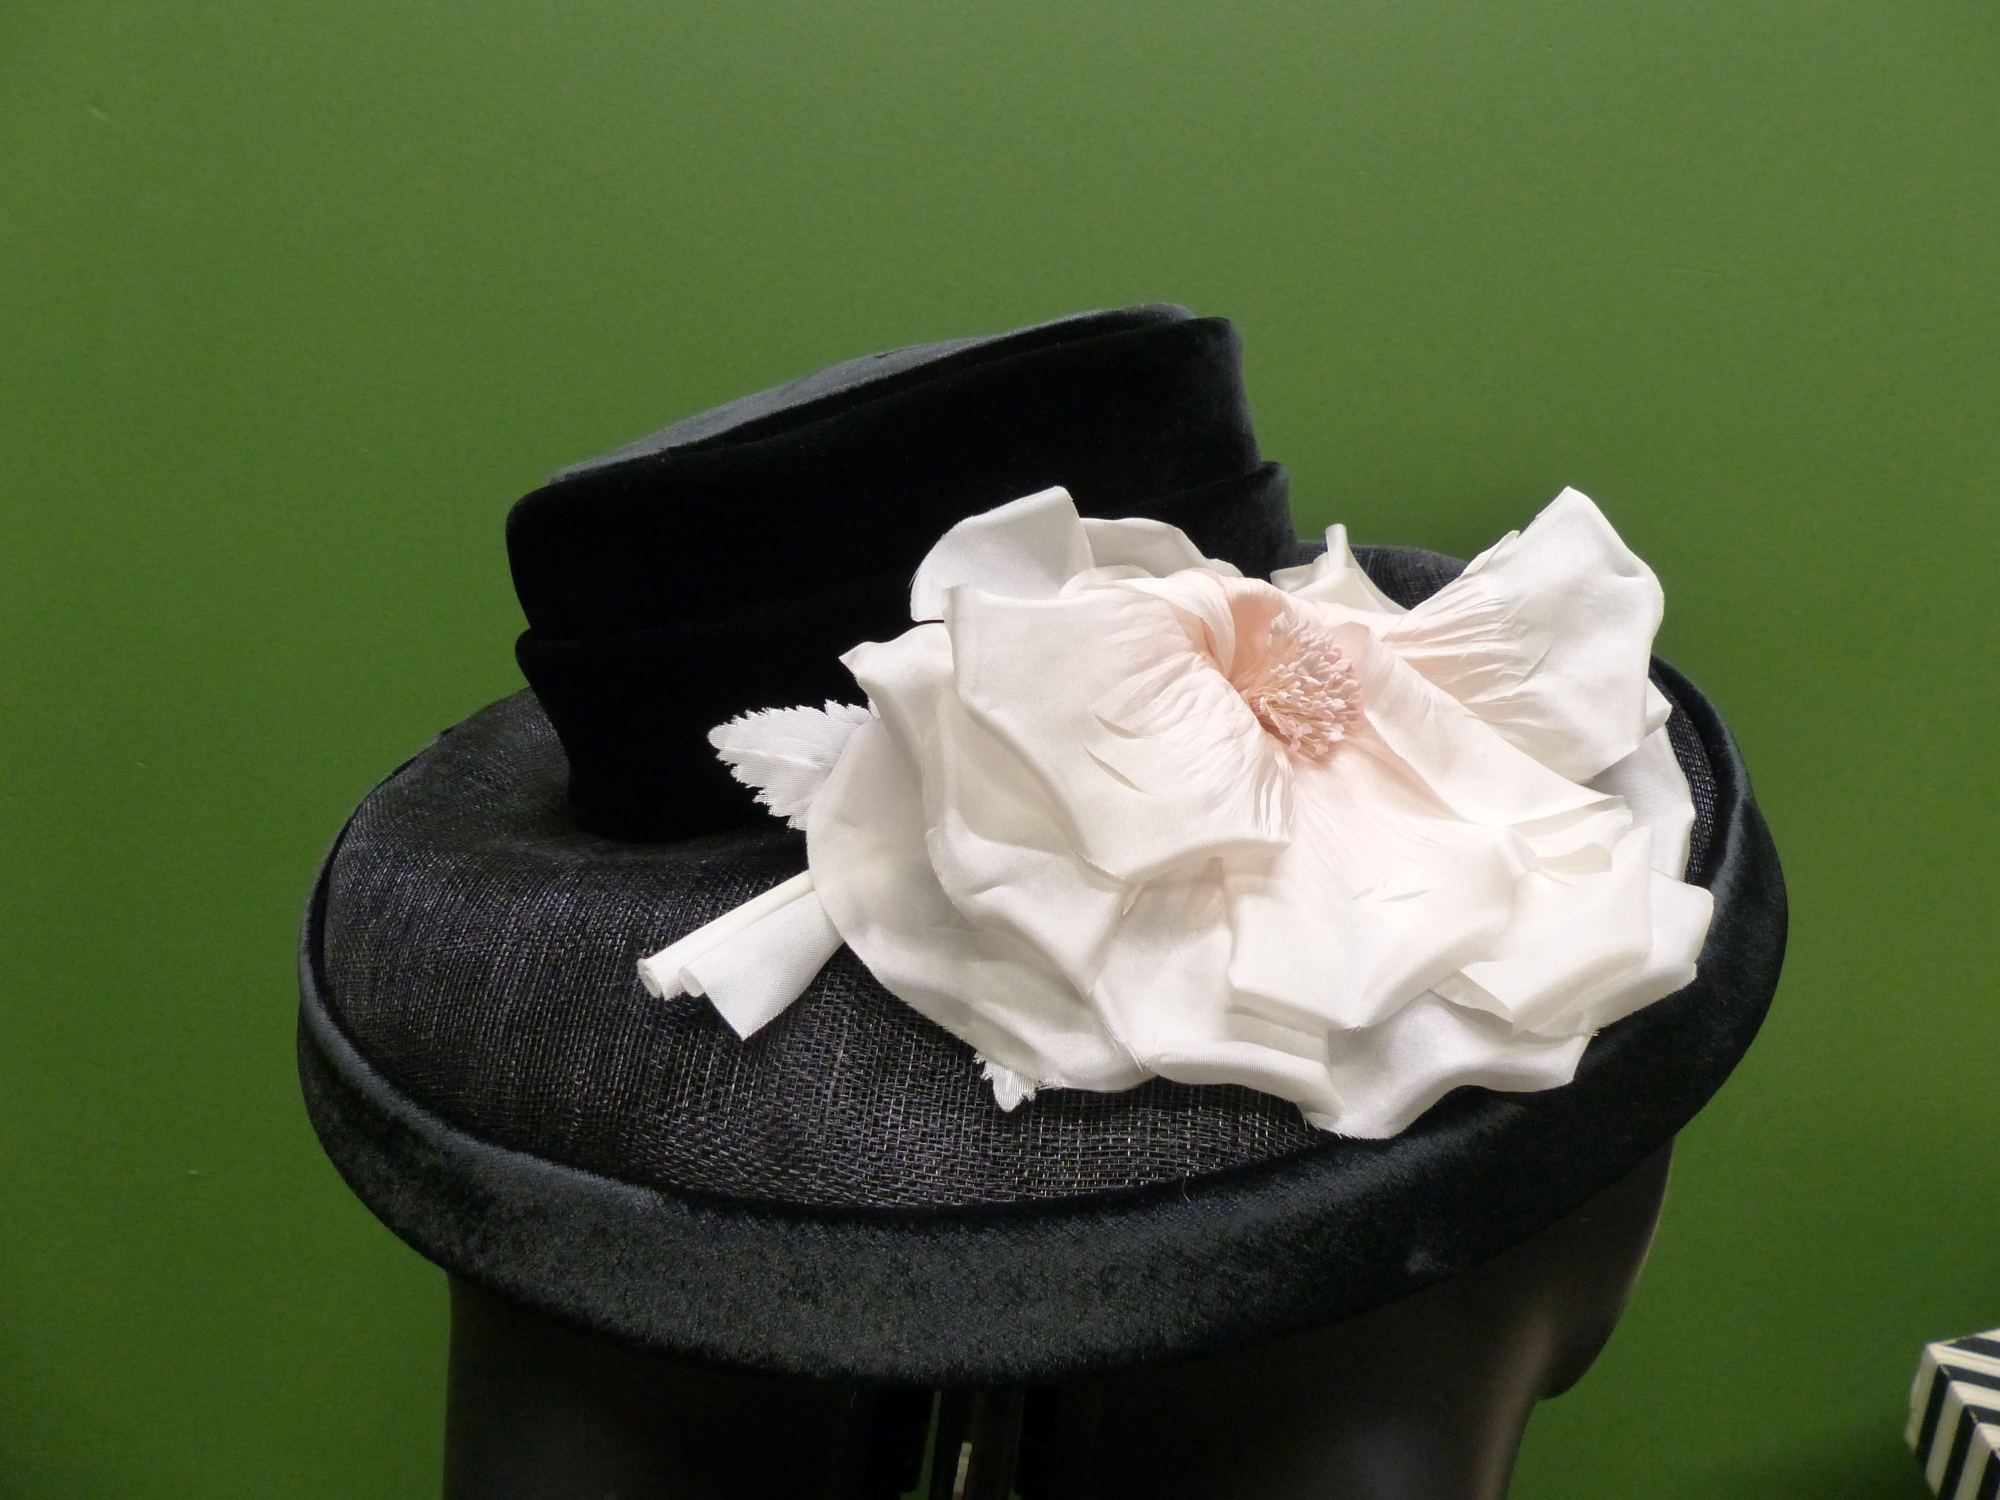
(1306,920)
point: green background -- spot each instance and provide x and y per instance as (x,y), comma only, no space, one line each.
(297,297)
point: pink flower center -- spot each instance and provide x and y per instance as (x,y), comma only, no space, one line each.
(1305,693)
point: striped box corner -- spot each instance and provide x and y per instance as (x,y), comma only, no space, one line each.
(1955,1417)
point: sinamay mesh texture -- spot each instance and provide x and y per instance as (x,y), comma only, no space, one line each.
(480,951)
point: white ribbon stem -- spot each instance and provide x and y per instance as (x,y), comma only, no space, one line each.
(751,962)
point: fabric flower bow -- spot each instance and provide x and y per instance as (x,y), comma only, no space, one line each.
(1116,811)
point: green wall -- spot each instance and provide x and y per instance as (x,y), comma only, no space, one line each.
(296,298)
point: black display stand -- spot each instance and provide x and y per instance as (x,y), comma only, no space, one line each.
(1424,1399)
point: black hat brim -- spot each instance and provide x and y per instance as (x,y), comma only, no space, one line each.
(515,1194)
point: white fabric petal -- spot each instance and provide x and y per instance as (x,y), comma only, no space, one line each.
(1655,788)
(1334,577)
(1165,993)
(1568,935)
(866,844)
(1478,773)
(786,753)
(1680,917)
(1382,894)
(1006,860)
(1141,745)
(1547,636)
(1000,853)
(751,962)
(1387,1075)
(1026,549)
(1151,546)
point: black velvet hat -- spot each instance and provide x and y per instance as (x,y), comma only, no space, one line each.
(840,1196)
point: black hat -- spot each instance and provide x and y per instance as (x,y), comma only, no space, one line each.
(840,1195)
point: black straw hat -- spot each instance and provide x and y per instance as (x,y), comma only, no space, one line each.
(840,1196)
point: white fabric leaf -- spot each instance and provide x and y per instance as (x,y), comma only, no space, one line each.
(786,753)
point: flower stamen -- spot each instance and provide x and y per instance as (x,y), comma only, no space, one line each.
(1305,693)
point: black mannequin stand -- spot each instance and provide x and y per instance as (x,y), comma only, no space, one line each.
(1425,1399)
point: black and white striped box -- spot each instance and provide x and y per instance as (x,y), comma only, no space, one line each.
(1955,1417)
